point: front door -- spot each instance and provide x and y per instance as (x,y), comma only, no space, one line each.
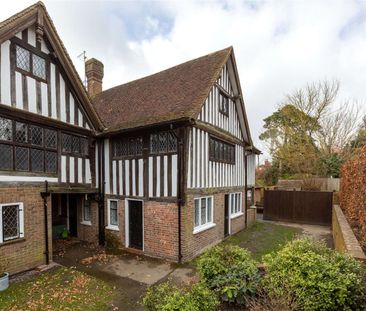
(227,215)
(135,224)
(73,215)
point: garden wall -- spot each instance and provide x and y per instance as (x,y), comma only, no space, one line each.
(353,195)
(343,236)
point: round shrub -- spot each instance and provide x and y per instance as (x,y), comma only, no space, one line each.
(168,297)
(230,271)
(319,278)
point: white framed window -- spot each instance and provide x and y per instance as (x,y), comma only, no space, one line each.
(112,214)
(86,212)
(235,204)
(203,214)
(11,221)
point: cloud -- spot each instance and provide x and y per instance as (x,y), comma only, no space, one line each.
(279,45)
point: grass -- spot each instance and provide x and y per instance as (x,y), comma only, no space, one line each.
(263,238)
(58,289)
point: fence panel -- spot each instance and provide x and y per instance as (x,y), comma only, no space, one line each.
(311,207)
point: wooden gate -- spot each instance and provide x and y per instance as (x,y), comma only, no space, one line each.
(311,207)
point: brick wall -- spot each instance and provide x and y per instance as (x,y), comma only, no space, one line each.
(88,232)
(27,253)
(195,244)
(160,227)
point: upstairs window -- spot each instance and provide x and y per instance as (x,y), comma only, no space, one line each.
(74,145)
(127,147)
(224,104)
(163,142)
(221,151)
(30,63)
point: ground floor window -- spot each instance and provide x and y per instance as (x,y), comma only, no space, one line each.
(86,212)
(11,221)
(235,201)
(203,212)
(112,214)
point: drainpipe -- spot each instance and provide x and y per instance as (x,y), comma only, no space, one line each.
(45,195)
(101,192)
(246,187)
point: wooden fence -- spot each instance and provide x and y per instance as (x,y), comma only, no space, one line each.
(311,207)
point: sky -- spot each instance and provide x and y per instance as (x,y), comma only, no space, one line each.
(279,45)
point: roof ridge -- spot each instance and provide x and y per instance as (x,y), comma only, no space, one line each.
(230,48)
(20,13)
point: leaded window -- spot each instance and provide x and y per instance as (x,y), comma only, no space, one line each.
(6,157)
(224,104)
(11,221)
(50,139)
(84,145)
(21,132)
(6,129)
(51,162)
(163,142)
(37,160)
(36,135)
(39,67)
(75,144)
(22,58)
(221,151)
(21,159)
(128,147)
(66,142)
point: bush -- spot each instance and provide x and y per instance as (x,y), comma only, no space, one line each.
(167,297)
(319,278)
(230,272)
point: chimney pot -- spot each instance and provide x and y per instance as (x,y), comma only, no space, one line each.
(94,71)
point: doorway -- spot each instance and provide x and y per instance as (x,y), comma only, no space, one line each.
(73,215)
(134,224)
(226,216)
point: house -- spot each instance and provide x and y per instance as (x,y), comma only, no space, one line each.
(162,163)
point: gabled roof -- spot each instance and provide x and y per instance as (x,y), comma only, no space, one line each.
(37,13)
(173,94)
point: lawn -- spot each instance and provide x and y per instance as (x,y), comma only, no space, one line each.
(58,289)
(263,238)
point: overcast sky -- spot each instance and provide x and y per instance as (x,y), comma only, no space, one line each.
(279,45)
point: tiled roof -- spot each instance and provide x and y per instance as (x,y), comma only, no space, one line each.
(173,94)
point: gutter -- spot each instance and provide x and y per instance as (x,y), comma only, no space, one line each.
(101,192)
(246,187)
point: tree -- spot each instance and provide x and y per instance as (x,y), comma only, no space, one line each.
(308,135)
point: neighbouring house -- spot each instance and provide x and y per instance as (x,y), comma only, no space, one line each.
(163,163)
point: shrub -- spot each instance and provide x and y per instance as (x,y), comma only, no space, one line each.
(168,297)
(230,272)
(320,279)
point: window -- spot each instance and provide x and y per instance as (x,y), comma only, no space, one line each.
(26,147)
(11,222)
(163,142)
(86,212)
(75,144)
(113,215)
(203,214)
(224,104)
(30,62)
(221,151)
(128,147)
(235,203)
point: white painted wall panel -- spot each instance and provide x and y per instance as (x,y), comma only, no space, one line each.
(62,100)
(72,169)
(127,177)
(5,73)
(72,109)
(44,99)
(151,194)
(88,178)
(114,176)
(32,98)
(120,177)
(157,176)
(63,168)
(18,90)
(80,170)
(53,91)
(141,177)
(32,36)
(174,174)
(106,167)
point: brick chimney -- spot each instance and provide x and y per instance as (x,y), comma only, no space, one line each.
(94,71)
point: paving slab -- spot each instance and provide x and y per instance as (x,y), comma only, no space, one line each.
(142,271)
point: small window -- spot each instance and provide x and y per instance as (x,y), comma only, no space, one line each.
(36,135)
(66,142)
(86,212)
(163,142)
(21,132)
(37,160)
(203,213)
(235,202)
(113,214)
(6,157)
(39,67)
(50,139)
(51,162)
(11,222)
(224,104)
(21,159)
(22,58)
(128,147)
(221,151)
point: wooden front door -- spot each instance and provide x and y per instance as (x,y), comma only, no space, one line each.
(227,215)
(135,224)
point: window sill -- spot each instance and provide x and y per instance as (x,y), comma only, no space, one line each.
(203,228)
(114,228)
(236,215)
(86,223)
(12,242)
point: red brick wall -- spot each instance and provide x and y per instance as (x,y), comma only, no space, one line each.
(194,244)
(27,253)
(88,232)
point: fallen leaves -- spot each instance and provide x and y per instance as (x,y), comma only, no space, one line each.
(101,257)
